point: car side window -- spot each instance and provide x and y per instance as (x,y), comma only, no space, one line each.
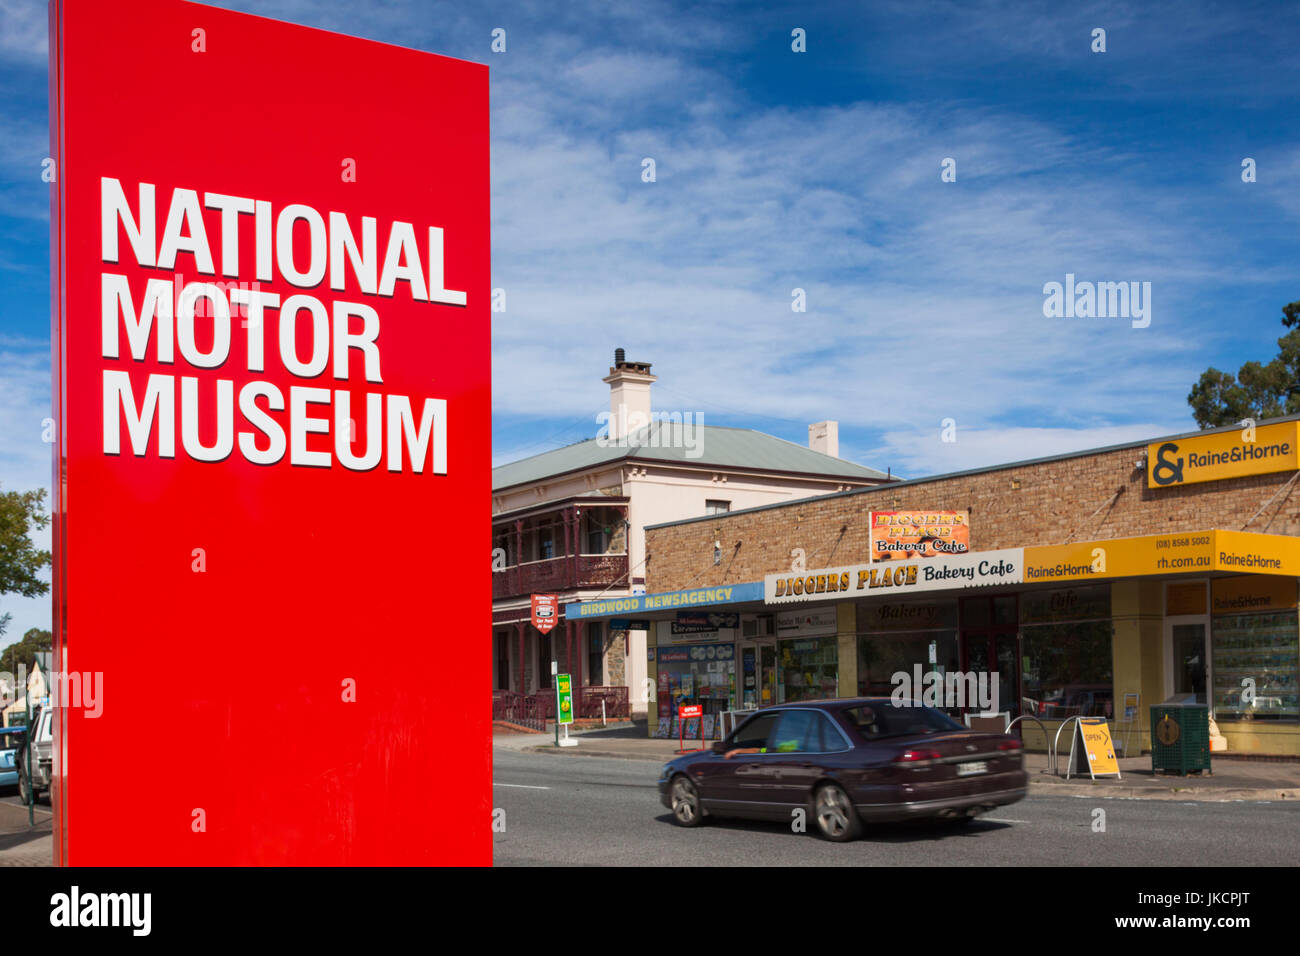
(832,738)
(798,732)
(755,731)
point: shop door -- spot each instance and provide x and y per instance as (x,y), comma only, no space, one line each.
(1191,663)
(767,676)
(990,644)
(758,675)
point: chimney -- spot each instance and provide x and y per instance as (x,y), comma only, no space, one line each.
(629,395)
(825,438)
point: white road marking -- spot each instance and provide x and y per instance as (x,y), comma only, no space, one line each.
(520,786)
(1001,820)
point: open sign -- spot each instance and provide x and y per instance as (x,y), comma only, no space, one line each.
(687,711)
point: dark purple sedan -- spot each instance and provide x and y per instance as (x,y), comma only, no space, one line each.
(844,762)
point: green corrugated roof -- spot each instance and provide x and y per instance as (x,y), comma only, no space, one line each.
(668,441)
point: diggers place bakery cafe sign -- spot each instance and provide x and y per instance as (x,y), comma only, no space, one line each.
(924,574)
(270,253)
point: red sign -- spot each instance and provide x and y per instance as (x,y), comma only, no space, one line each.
(546,608)
(686,711)
(271,360)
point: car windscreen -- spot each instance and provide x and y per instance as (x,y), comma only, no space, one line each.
(874,721)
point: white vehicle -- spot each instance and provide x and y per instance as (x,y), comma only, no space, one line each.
(42,759)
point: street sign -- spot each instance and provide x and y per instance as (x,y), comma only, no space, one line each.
(627,624)
(272,391)
(686,712)
(545,608)
(1098,751)
(563,710)
(564,698)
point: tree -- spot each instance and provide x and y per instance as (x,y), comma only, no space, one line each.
(1256,391)
(24,652)
(20,562)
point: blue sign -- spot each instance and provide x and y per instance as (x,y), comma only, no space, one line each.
(624,624)
(666,601)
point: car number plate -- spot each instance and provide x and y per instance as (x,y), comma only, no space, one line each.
(972,767)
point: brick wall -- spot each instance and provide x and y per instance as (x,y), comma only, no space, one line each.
(1039,504)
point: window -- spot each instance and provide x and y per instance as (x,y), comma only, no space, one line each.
(544,662)
(503,660)
(1067,670)
(1066,653)
(596,654)
(755,731)
(800,731)
(545,544)
(1261,647)
(503,543)
(716,507)
(597,541)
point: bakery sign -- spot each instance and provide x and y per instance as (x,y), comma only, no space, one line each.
(899,535)
(979,569)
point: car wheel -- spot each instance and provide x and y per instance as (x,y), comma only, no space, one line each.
(686,802)
(25,790)
(833,811)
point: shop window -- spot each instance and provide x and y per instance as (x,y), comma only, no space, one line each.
(881,656)
(809,668)
(899,636)
(703,674)
(1004,610)
(976,612)
(1259,649)
(1067,670)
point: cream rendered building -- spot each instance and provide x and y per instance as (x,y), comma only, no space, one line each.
(571,522)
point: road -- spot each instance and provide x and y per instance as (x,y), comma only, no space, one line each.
(595,811)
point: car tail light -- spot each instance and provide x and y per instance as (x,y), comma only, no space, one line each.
(1010,745)
(914,758)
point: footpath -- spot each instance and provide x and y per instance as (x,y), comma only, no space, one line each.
(1230,778)
(22,844)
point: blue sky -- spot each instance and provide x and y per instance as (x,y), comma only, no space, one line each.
(820,170)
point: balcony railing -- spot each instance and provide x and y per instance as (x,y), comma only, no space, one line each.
(559,574)
(534,710)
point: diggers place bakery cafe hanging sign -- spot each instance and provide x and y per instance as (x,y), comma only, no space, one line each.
(271,362)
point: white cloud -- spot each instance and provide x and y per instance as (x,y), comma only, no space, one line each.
(24,29)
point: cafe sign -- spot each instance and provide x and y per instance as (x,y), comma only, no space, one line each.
(980,569)
(899,535)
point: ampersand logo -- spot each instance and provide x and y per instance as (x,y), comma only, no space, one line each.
(1167,472)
